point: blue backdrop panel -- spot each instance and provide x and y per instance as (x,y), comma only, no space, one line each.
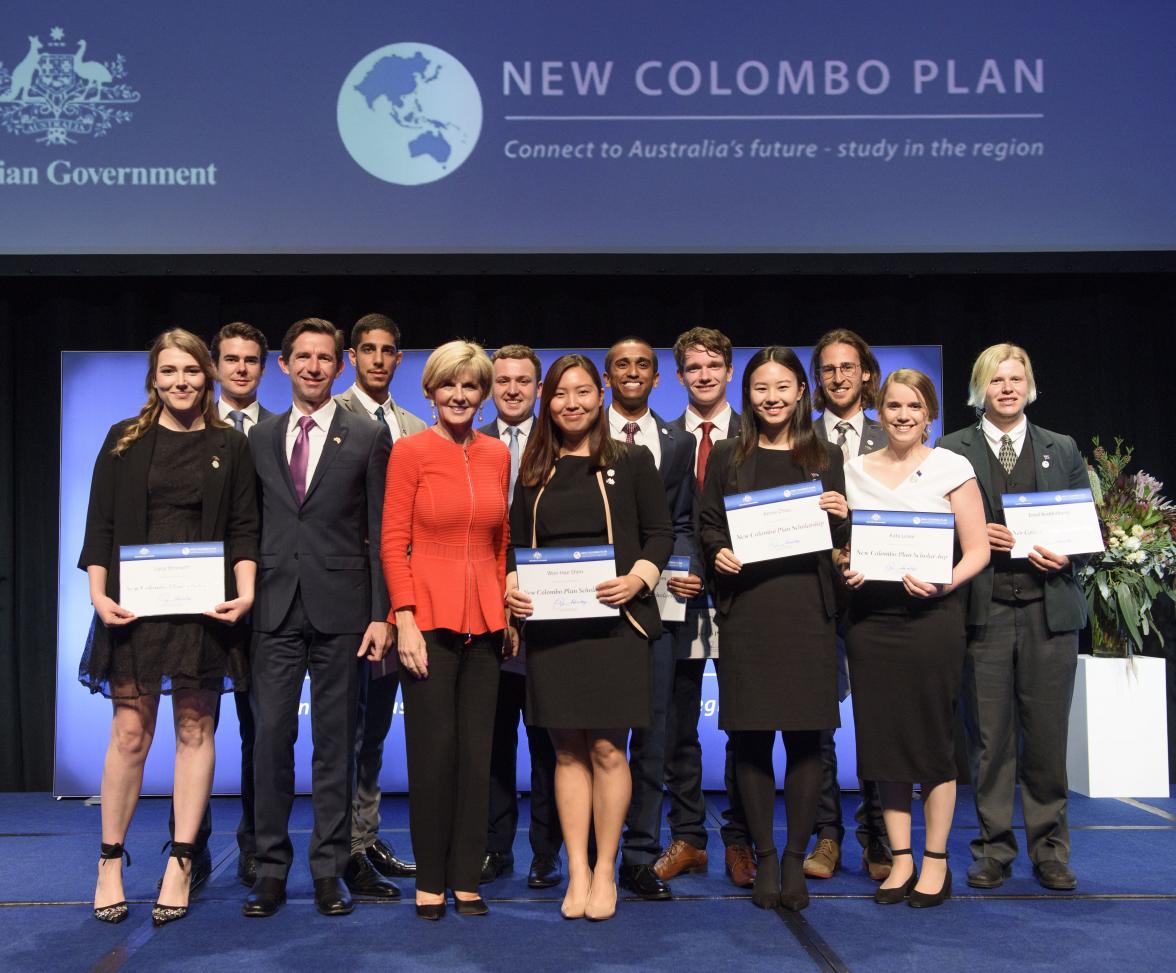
(100,388)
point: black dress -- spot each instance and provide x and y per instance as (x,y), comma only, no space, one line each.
(589,673)
(167,653)
(777,662)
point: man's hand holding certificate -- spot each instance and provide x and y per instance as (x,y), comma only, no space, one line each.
(671,607)
(780,522)
(1063,522)
(562,581)
(172,579)
(888,544)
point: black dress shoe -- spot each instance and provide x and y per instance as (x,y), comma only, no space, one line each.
(1055,875)
(431,911)
(470,907)
(988,873)
(363,879)
(929,900)
(331,897)
(545,872)
(642,880)
(495,863)
(386,862)
(247,868)
(267,895)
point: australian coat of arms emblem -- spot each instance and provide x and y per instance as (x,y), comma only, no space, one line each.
(57,95)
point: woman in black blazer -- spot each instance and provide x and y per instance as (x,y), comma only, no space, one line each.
(175,473)
(590,680)
(777,663)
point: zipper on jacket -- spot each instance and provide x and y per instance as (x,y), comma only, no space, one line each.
(469,530)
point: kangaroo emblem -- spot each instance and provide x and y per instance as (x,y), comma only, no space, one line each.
(22,74)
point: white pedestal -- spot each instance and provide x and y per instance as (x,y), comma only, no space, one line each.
(1119,728)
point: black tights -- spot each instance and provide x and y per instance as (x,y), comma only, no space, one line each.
(757,784)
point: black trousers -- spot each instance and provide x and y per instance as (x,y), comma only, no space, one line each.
(279,662)
(448,728)
(544,831)
(377,703)
(683,755)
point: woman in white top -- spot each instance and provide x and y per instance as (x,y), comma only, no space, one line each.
(906,641)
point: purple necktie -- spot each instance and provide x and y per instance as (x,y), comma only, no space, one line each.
(630,429)
(299,456)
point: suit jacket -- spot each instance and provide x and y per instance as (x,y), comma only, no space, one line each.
(329,546)
(699,566)
(678,448)
(117,513)
(643,536)
(1058,466)
(873,435)
(407,422)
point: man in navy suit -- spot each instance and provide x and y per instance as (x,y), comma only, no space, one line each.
(321,608)
(630,371)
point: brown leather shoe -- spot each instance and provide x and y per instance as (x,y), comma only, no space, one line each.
(680,858)
(740,861)
(876,861)
(823,862)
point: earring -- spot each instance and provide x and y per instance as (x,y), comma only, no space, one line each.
(481,411)
(433,406)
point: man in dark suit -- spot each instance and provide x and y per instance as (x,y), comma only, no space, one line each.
(1024,616)
(374,354)
(321,607)
(703,358)
(518,376)
(630,371)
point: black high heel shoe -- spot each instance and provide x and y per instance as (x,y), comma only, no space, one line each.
(162,914)
(793,889)
(118,911)
(929,900)
(895,895)
(766,891)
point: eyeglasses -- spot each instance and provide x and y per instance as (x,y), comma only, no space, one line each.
(847,369)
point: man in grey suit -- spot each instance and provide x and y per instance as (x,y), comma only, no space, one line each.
(1024,616)
(845,378)
(321,607)
(374,354)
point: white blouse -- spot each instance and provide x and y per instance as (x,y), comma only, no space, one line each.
(925,490)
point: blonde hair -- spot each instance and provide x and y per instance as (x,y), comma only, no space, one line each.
(924,389)
(988,362)
(451,359)
(190,344)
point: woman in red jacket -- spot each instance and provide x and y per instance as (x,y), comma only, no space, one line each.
(443,547)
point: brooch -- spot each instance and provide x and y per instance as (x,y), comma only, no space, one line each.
(338,440)
(1045,462)
(216,462)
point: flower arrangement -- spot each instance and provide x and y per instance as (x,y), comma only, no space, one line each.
(1138,566)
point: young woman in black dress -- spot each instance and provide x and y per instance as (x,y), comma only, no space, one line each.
(777,663)
(175,473)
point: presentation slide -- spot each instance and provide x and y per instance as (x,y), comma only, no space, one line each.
(607,127)
(100,388)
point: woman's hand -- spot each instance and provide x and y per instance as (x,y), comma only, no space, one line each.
(619,591)
(519,603)
(111,612)
(231,612)
(833,503)
(727,563)
(922,589)
(410,645)
(686,587)
(1000,538)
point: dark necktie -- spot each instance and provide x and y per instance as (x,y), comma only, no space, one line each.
(380,416)
(630,429)
(513,432)
(842,428)
(1007,457)
(238,420)
(704,448)
(300,455)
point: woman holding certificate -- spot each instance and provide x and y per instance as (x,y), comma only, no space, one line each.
(174,475)
(777,651)
(905,638)
(589,679)
(443,548)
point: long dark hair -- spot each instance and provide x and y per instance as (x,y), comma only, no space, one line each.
(545,440)
(807,450)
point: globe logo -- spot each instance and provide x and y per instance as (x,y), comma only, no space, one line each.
(409,113)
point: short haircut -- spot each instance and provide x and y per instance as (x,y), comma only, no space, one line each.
(451,359)
(843,336)
(713,341)
(924,389)
(519,353)
(374,322)
(985,368)
(608,355)
(239,329)
(311,326)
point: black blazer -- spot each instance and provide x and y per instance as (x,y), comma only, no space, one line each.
(677,474)
(117,513)
(698,564)
(640,520)
(723,478)
(328,547)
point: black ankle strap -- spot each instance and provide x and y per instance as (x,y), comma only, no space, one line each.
(900,851)
(934,854)
(180,850)
(112,852)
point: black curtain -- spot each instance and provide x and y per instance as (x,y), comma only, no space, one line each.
(1097,342)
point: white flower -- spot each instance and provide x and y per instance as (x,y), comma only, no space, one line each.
(1118,531)
(1132,543)
(1137,557)
(1137,530)
(1113,542)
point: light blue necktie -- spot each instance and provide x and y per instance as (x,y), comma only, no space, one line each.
(238,419)
(513,431)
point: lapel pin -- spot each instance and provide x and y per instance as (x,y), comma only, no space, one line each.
(216,462)
(665,431)
(611,482)
(338,440)
(611,473)
(869,442)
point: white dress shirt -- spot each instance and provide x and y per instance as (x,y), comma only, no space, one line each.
(524,429)
(252,413)
(993,435)
(853,435)
(646,435)
(370,405)
(318,435)
(722,429)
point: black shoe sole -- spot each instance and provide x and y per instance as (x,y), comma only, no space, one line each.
(544,883)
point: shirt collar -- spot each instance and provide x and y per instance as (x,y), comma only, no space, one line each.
(252,410)
(856,423)
(722,421)
(370,405)
(993,435)
(523,427)
(322,417)
(647,424)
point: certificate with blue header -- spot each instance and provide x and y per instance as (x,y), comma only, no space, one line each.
(171,579)
(669,605)
(886,544)
(1064,522)
(780,522)
(562,580)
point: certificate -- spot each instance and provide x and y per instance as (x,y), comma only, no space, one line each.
(670,606)
(562,580)
(171,579)
(1064,522)
(890,543)
(780,522)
